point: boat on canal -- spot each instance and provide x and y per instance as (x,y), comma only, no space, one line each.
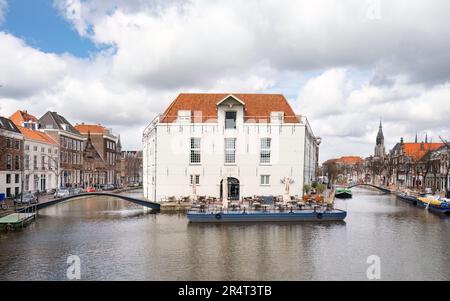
(266,216)
(408,198)
(435,204)
(343,193)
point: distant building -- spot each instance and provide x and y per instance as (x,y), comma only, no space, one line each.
(131,167)
(380,150)
(71,144)
(105,143)
(11,158)
(250,142)
(349,168)
(407,158)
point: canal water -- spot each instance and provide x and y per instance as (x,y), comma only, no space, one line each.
(116,240)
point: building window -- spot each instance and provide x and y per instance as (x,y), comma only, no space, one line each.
(27,162)
(184,116)
(8,192)
(35,148)
(17,144)
(265,151)
(16,191)
(230,120)
(16,162)
(195,150)
(8,178)
(197,179)
(8,143)
(265,179)
(35,165)
(42,162)
(8,162)
(17,178)
(27,147)
(230,150)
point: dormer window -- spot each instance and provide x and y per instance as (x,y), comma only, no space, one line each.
(230,120)
(184,116)
(277,117)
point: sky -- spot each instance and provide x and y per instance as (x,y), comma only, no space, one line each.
(345,65)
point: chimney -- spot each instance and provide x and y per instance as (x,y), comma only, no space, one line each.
(401,140)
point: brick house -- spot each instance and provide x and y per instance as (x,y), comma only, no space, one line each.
(11,158)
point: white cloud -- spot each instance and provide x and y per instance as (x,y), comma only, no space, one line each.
(347,117)
(357,63)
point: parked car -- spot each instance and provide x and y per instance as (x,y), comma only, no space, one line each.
(108,187)
(27,199)
(62,193)
(78,190)
(90,189)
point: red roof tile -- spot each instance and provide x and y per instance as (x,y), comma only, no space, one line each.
(418,150)
(37,136)
(19,117)
(90,128)
(350,160)
(257,106)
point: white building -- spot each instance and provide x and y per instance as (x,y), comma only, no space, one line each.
(254,141)
(40,155)
(41,161)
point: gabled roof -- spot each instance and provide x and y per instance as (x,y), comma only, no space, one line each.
(52,120)
(37,136)
(8,125)
(257,106)
(418,150)
(19,117)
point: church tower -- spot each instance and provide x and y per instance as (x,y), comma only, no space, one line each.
(379,148)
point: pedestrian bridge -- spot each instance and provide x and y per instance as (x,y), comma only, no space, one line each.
(382,189)
(151,205)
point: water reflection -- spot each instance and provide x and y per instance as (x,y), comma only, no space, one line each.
(117,240)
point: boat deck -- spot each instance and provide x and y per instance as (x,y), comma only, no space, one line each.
(16,220)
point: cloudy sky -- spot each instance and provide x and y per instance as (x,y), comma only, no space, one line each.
(344,64)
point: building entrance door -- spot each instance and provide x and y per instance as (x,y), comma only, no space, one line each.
(233,189)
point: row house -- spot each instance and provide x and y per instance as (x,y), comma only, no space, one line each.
(11,158)
(71,148)
(409,163)
(253,143)
(435,168)
(347,168)
(41,155)
(131,165)
(107,147)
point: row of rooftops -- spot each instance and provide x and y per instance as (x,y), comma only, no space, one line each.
(30,127)
(415,150)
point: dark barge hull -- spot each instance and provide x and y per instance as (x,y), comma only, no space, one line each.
(261,216)
(408,198)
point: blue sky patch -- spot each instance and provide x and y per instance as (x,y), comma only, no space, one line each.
(40,24)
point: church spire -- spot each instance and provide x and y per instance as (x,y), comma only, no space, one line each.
(426,138)
(416,138)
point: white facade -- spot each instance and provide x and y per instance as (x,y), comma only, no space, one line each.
(41,165)
(264,153)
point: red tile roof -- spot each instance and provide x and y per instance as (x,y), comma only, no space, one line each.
(37,136)
(418,150)
(350,160)
(257,106)
(19,117)
(90,128)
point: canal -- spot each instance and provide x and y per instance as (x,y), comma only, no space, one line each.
(116,240)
